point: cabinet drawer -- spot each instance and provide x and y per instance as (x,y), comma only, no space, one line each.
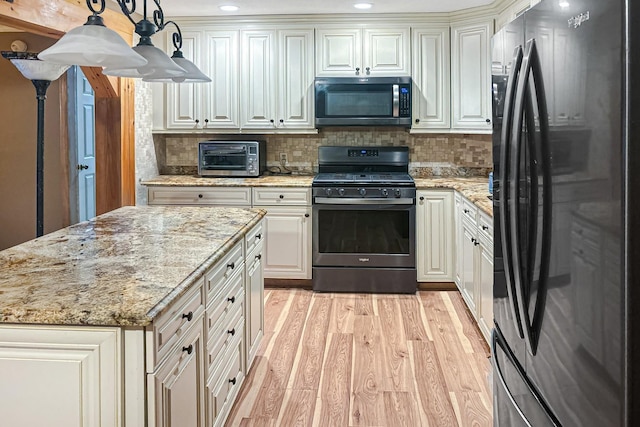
(226,196)
(254,237)
(468,210)
(485,228)
(225,302)
(216,277)
(171,326)
(224,334)
(276,196)
(223,386)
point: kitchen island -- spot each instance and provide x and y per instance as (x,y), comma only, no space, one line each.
(108,321)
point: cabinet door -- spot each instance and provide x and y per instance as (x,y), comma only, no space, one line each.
(386,52)
(258,87)
(184,100)
(176,389)
(338,51)
(471,76)
(221,95)
(254,295)
(485,278)
(435,236)
(431,78)
(468,267)
(295,79)
(287,252)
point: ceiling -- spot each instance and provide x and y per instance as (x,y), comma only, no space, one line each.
(173,8)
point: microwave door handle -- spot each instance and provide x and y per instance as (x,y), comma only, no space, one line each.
(396,100)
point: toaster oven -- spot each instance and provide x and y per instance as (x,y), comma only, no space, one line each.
(232,158)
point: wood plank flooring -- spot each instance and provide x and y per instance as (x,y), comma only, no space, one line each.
(366,360)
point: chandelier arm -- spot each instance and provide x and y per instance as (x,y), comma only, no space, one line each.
(176,36)
(158,16)
(126,10)
(92,8)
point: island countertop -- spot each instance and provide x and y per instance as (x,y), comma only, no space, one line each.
(122,268)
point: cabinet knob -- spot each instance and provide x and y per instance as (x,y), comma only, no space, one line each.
(199,196)
(417,120)
(197,121)
(282,196)
(272,121)
(484,227)
(357,71)
(232,381)
(368,70)
(206,122)
(231,265)
(281,121)
(306,215)
(189,349)
(488,120)
(466,210)
(231,300)
(421,198)
(259,256)
(258,236)
(188,316)
(232,332)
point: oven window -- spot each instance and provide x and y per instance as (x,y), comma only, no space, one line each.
(224,159)
(364,231)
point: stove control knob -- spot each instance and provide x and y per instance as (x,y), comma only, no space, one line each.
(384,192)
(363,192)
(341,191)
(396,192)
(328,192)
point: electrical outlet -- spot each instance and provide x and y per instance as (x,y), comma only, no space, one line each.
(283,159)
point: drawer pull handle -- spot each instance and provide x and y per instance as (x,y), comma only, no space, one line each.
(306,215)
(258,236)
(231,265)
(189,349)
(259,256)
(466,211)
(421,197)
(232,381)
(484,227)
(188,316)
(231,300)
(282,196)
(232,332)
(199,196)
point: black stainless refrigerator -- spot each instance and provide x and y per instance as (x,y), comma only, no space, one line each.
(565,143)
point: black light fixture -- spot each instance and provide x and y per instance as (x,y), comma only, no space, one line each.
(95,45)
(41,74)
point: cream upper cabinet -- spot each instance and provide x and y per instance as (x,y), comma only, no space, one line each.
(363,51)
(277,79)
(211,105)
(471,76)
(431,78)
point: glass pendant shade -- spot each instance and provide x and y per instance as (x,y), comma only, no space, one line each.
(93,45)
(159,65)
(193,75)
(34,69)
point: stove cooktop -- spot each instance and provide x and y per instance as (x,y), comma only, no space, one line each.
(363,178)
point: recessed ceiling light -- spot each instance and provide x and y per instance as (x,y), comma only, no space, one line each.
(229,8)
(363,5)
(563,4)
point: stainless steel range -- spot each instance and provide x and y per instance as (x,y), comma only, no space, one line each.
(364,207)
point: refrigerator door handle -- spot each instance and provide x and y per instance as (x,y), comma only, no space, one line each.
(531,66)
(505,182)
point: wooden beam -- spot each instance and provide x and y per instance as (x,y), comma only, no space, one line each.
(108,148)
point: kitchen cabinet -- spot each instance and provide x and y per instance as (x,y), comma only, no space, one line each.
(474,269)
(254,288)
(517,8)
(211,105)
(221,196)
(287,227)
(471,76)
(357,51)
(435,243)
(277,79)
(431,78)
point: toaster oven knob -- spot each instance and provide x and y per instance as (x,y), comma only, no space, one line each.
(384,192)
(341,191)
(328,191)
(363,192)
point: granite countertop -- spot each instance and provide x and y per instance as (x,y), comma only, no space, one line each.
(474,189)
(122,268)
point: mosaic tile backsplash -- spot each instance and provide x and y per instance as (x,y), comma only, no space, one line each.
(430,154)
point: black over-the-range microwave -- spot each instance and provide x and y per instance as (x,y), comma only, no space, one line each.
(363,101)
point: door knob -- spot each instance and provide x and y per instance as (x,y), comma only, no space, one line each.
(81,167)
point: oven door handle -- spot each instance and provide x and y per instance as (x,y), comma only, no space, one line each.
(357,201)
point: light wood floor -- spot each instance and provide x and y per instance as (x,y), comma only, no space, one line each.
(366,360)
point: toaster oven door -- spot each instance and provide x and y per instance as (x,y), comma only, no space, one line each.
(223,158)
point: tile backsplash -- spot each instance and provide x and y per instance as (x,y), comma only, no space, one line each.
(430,154)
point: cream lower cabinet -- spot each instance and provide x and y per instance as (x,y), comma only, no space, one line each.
(287,227)
(474,266)
(435,244)
(254,293)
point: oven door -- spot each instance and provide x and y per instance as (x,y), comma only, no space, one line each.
(372,233)
(223,159)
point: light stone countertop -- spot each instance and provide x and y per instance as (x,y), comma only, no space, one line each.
(122,268)
(474,189)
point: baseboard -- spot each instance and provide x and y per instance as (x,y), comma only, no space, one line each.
(288,283)
(437,286)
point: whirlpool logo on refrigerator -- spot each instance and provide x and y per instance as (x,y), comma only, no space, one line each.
(576,21)
(363,259)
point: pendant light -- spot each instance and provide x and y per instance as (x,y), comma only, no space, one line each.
(93,45)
